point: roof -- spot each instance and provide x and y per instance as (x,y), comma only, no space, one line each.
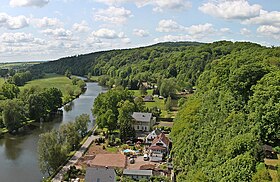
(268,148)
(147,167)
(141,116)
(110,160)
(148,98)
(138,172)
(95,174)
(157,148)
(161,137)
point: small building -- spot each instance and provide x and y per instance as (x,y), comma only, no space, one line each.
(148,98)
(160,145)
(138,174)
(269,152)
(143,121)
(149,139)
(97,174)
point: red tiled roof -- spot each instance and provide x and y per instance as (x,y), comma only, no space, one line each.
(157,148)
(161,137)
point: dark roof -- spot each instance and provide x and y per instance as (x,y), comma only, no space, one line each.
(95,174)
(141,116)
(138,172)
(148,98)
(268,148)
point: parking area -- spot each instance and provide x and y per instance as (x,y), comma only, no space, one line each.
(139,161)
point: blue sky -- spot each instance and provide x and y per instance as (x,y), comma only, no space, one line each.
(50,29)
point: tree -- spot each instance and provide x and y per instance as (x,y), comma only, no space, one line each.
(125,120)
(13,114)
(69,136)
(37,106)
(143,89)
(168,103)
(168,88)
(68,73)
(10,91)
(81,124)
(51,153)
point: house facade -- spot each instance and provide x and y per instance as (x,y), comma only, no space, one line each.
(149,139)
(160,145)
(143,121)
(138,174)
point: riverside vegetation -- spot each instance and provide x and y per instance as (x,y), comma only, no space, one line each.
(219,131)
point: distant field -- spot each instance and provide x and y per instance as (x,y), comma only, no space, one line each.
(17,65)
(52,80)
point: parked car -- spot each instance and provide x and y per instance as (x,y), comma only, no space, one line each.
(146,157)
(131,160)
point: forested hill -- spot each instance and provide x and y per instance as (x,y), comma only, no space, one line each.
(219,132)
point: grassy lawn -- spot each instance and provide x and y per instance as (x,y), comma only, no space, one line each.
(112,149)
(158,103)
(53,80)
(273,173)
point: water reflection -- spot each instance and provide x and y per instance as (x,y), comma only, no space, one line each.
(12,147)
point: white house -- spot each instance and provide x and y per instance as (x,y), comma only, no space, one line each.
(143,121)
(138,174)
(149,139)
(160,145)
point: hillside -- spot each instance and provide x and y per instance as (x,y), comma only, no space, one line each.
(219,132)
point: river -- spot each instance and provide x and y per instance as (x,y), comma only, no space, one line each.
(18,153)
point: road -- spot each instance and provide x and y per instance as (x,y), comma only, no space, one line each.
(74,159)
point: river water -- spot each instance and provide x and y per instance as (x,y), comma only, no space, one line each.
(18,153)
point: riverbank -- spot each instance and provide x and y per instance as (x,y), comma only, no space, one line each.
(73,159)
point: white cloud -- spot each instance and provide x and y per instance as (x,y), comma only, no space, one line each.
(18,37)
(231,9)
(195,31)
(245,31)
(169,26)
(105,33)
(81,27)
(173,38)
(113,14)
(225,30)
(13,22)
(265,18)
(141,32)
(59,33)
(27,3)
(269,31)
(159,5)
(46,22)
(200,30)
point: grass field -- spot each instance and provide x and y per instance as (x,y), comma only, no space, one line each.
(273,173)
(52,80)
(160,104)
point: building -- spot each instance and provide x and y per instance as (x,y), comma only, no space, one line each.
(138,174)
(149,139)
(148,98)
(160,145)
(143,121)
(97,174)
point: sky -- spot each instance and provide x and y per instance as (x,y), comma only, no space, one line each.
(39,30)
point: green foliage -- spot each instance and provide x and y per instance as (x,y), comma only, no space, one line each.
(218,133)
(168,88)
(262,174)
(81,123)
(168,103)
(10,91)
(13,114)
